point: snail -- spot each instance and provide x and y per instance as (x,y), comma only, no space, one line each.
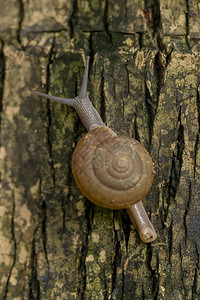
(112,171)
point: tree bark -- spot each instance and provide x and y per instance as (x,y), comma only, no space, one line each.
(144,81)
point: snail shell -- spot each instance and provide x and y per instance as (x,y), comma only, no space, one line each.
(111,171)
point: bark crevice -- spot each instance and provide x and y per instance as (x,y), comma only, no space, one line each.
(44,230)
(187,210)
(105,21)
(176,166)
(116,261)
(196,149)
(103,100)
(187,24)
(82,270)
(73,17)
(2,78)
(154,275)
(34,284)
(49,117)
(196,275)
(14,246)
(149,103)
(21,18)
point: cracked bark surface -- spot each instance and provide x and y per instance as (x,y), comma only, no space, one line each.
(144,81)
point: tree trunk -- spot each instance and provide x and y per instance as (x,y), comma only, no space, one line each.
(144,81)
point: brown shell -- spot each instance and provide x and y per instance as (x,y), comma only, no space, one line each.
(111,171)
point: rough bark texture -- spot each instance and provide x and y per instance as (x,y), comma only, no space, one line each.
(144,81)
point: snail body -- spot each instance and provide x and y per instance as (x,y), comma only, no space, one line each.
(112,171)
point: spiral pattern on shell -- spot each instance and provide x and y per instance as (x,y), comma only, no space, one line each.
(111,171)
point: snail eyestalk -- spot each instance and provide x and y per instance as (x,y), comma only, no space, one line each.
(83,92)
(82,104)
(104,187)
(68,101)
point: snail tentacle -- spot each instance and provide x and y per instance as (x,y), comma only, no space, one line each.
(83,92)
(82,104)
(68,101)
